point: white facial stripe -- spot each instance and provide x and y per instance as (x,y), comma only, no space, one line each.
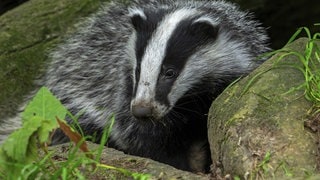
(155,53)
(135,11)
(131,53)
(213,22)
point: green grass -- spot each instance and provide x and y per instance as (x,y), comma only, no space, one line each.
(310,61)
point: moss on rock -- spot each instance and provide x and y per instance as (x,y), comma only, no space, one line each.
(259,130)
(27,33)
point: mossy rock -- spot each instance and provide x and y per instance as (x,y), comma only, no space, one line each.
(256,127)
(27,34)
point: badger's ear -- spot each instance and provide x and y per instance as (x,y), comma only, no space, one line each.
(138,18)
(205,26)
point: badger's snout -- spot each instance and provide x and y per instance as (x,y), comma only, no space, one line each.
(141,111)
(145,110)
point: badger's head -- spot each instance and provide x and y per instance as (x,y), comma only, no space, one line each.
(172,51)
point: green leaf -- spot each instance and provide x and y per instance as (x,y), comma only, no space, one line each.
(46,106)
(16,145)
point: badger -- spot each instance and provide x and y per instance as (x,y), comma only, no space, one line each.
(157,66)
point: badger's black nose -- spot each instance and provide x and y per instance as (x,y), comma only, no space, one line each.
(141,111)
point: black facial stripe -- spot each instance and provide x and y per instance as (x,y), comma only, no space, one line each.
(144,35)
(184,42)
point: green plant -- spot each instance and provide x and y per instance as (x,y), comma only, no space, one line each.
(262,168)
(19,157)
(310,60)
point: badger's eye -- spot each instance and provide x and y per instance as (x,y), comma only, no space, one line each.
(170,73)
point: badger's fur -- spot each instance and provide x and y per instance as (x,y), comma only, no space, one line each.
(156,65)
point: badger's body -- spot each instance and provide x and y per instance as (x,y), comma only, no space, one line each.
(156,66)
